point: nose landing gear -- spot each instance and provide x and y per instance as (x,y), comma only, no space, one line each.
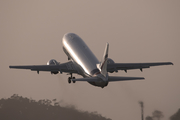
(70,79)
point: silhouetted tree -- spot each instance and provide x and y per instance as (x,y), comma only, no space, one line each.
(149,118)
(176,116)
(157,114)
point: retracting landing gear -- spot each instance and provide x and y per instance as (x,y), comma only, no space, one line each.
(74,78)
(70,79)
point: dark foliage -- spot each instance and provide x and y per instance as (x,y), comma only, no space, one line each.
(20,108)
(149,118)
(176,116)
(157,114)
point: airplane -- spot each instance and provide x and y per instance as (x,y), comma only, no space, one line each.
(83,62)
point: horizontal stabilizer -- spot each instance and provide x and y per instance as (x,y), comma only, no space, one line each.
(111,79)
(91,79)
(116,78)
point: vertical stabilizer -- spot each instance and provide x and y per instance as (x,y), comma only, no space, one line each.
(103,65)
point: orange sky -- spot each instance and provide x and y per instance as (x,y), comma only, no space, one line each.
(137,31)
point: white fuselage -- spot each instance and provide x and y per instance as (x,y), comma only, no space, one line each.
(77,50)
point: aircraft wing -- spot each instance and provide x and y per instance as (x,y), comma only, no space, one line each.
(68,67)
(128,66)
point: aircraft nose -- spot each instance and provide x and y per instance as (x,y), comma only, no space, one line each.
(70,35)
(66,37)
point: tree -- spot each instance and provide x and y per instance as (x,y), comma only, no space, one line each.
(176,116)
(149,118)
(157,114)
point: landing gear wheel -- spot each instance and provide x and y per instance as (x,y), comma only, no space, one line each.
(74,78)
(69,80)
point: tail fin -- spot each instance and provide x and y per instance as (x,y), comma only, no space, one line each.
(103,65)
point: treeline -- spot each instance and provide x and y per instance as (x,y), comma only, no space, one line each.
(20,108)
(176,116)
(157,115)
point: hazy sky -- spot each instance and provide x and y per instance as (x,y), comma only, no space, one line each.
(138,31)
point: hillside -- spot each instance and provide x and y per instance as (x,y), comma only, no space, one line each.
(20,108)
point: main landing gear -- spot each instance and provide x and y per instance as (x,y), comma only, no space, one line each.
(70,79)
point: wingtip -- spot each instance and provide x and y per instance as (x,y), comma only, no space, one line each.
(170,63)
(143,78)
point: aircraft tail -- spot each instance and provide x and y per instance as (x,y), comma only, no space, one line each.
(103,65)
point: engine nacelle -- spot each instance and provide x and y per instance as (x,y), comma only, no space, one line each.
(53,62)
(110,61)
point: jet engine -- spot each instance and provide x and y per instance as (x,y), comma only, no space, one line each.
(110,61)
(53,62)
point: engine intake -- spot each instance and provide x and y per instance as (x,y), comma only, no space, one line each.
(110,61)
(53,62)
